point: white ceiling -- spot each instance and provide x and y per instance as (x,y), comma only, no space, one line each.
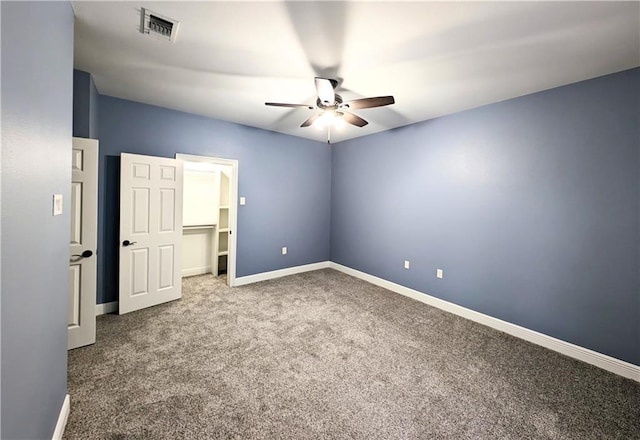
(435,58)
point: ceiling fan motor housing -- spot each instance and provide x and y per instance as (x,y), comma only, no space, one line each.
(330,106)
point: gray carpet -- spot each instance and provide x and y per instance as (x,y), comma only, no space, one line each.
(322,355)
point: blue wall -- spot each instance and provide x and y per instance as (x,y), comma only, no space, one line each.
(37,63)
(85,105)
(286,181)
(530,206)
(93,108)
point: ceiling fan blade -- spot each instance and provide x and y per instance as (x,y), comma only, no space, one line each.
(325,90)
(310,121)
(353,119)
(378,101)
(280,104)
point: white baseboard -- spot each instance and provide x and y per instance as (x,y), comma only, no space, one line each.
(103,309)
(600,360)
(196,271)
(264,276)
(62,419)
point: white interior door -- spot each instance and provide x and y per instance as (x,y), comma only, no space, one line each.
(150,231)
(84,226)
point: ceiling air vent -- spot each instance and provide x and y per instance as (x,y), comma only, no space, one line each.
(159,26)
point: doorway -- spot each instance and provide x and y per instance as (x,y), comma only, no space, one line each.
(210,216)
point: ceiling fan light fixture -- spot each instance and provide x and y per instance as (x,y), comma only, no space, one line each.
(320,123)
(324,120)
(329,118)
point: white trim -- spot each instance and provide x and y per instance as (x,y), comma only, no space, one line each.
(196,271)
(603,361)
(62,419)
(264,276)
(103,309)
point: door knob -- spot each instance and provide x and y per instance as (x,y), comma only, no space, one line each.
(85,254)
(128,243)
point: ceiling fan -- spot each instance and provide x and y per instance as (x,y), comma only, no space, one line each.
(333,108)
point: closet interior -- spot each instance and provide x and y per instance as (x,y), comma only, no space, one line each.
(205,218)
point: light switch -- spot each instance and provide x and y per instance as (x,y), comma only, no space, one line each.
(284,250)
(57,204)
(439,273)
(243,200)
(406,264)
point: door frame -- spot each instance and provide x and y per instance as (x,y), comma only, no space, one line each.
(233,207)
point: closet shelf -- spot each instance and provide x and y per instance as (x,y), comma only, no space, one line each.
(224,206)
(223,253)
(223,230)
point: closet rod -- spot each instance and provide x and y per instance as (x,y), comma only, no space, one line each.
(199,227)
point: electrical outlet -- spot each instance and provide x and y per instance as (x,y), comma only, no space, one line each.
(439,273)
(406,264)
(284,250)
